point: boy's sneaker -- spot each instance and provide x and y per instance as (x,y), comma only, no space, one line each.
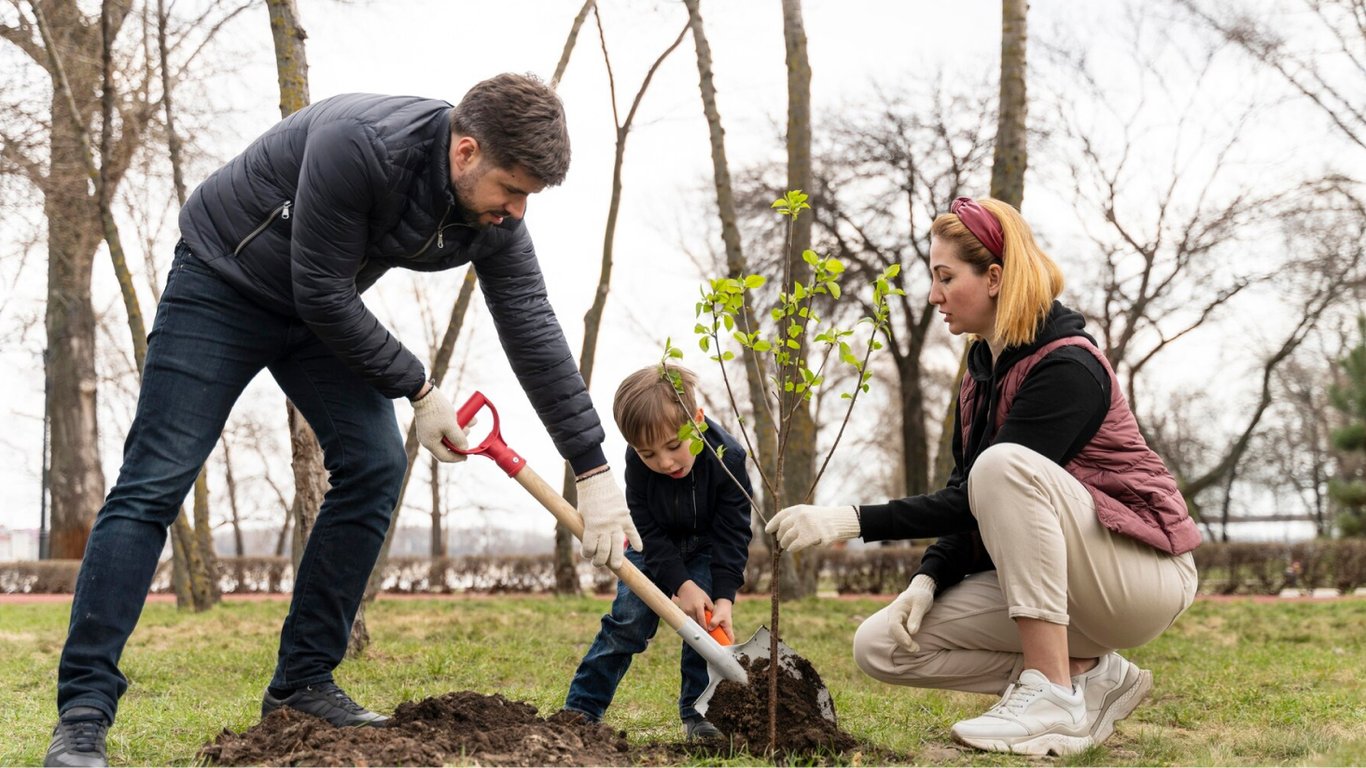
(1032,718)
(325,700)
(1113,689)
(78,739)
(701,729)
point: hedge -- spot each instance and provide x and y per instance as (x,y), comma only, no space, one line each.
(1237,568)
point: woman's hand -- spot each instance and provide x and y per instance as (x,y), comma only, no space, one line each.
(807,525)
(909,609)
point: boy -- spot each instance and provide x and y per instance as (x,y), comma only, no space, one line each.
(694,521)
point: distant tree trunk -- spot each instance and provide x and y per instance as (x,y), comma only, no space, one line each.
(566,577)
(1011,156)
(1009,160)
(799,455)
(764,429)
(239,545)
(310,477)
(73,226)
(201,589)
(438,537)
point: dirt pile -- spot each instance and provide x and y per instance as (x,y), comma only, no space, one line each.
(460,727)
(741,712)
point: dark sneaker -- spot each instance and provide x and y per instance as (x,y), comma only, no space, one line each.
(325,700)
(702,730)
(78,739)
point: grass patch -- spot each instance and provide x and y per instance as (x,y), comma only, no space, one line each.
(1237,682)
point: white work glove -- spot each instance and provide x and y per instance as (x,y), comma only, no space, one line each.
(434,418)
(908,609)
(807,525)
(606,520)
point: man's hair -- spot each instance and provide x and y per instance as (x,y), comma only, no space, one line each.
(1030,280)
(649,409)
(518,121)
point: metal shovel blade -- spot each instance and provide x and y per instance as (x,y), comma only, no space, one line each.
(749,652)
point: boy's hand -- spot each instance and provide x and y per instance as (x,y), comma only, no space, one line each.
(721,617)
(694,602)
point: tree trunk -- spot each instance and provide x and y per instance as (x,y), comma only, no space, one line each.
(764,452)
(1010,157)
(799,455)
(438,537)
(239,545)
(73,227)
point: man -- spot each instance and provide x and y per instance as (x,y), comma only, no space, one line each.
(277,246)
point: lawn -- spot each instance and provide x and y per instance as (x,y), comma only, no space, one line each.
(1237,682)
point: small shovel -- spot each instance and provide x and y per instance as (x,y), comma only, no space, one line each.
(723,662)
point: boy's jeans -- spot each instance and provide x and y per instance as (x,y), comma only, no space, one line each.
(207,343)
(626,630)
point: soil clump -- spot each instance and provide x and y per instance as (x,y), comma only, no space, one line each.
(741,712)
(460,727)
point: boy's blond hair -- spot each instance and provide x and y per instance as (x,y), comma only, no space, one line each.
(647,407)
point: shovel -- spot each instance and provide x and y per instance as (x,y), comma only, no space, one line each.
(723,662)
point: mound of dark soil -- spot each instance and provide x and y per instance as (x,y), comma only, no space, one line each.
(741,712)
(462,727)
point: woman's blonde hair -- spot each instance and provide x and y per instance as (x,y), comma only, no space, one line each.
(1030,280)
(647,407)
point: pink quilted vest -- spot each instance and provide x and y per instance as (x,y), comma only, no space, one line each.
(1135,494)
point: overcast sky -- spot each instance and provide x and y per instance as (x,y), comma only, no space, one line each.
(439,49)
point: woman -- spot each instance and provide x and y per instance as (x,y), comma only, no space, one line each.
(1062,536)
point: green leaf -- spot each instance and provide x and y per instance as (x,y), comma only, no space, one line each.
(762,346)
(695,447)
(835,290)
(676,353)
(834,266)
(792,344)
(728,355)
(704,343)
(810,257)
(728,321)
(755,281)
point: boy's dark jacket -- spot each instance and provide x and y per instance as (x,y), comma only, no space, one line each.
(706,504)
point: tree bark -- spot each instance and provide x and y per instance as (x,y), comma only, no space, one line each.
(1011,156)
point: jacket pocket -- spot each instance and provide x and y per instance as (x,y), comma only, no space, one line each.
(281,212)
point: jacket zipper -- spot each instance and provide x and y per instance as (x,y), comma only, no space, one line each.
(281,210)
(439,235)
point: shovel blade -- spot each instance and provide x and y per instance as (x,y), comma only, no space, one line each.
(749,652)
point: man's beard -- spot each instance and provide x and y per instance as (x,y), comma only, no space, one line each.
(464,196)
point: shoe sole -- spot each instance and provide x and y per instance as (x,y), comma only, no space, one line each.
(1038,746)
(1122,702)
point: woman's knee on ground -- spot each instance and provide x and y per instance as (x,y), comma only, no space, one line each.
(879,656)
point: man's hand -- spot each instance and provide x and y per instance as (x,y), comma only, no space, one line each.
(807,525)
(606,520)
(721,617)
(434,418)
(908,609)
(694,601)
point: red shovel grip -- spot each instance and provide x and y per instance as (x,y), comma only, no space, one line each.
(493,445)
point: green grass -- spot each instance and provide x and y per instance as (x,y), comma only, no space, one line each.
(1237,683)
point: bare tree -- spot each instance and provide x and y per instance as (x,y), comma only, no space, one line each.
(566,578)
(1319,50)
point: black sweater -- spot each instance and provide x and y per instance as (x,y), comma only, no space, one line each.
(706,503)
(1058,409)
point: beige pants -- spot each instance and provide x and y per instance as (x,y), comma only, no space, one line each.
(1054,561)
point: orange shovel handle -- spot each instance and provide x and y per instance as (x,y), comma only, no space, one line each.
(718,634)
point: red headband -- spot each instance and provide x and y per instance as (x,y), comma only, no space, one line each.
(981,223)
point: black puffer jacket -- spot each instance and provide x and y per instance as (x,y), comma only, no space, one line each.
(333,196)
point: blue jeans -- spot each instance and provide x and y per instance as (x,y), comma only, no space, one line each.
(207,342)
(626,631)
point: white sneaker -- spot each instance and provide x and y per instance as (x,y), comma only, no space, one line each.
(1113,690)
(1032,718)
